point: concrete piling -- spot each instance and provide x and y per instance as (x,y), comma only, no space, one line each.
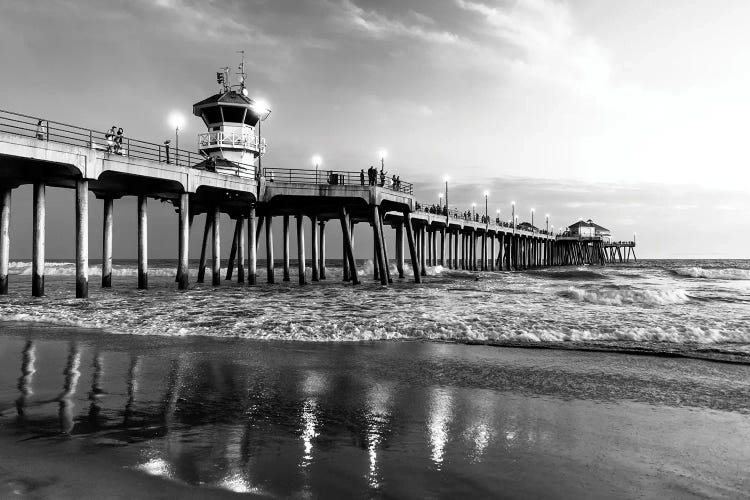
(183,276)
(107,229)
(400,248)
(37,264)
(269,248)
(204,246)
(301,250)
(322,237)
(241,249)
(216,250)
(142,243)
(314,247)
(348,244)
(285,246)
(412,247)
(233,250)
(4,239)
(252,247)
(82,239)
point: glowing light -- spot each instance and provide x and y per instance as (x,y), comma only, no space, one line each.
(244,92)
(513,203)
(260,106)
(473,204)
(486,193)
(383,154)
(446,178)
(317,160)
(440,195)
(176,120)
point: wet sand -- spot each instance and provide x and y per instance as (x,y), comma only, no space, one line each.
(89,414)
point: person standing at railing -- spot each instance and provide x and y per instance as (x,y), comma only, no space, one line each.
(118,142)
(110,137)
(40,130)
(382,177)
(362,176)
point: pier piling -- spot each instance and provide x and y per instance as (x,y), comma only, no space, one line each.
(301,249)
(82,239)
(4,239)
(204,247)
(252,247)
(216,250)
(412,247)
(322,237)
(233,250)
(241,249)
(107,223)
(314,247)
(285,247)
(37,264)
(269,248)
(347,234)
(142,243)
(400,248)
(183,275)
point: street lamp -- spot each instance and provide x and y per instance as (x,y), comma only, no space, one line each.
(440,200)
(532,220)
(383,155)
(447,209)
(317,160)
(546,216)
(486,212)
(473,211)
(513,215)
(261,108)
(176,120)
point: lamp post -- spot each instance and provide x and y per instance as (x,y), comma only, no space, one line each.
(447,209)
(177,121)
(546,216)
(440,201)
(383,155)
(473,211)
(513,215)
(486,212)
(532,220)
(261,109)
(317,160)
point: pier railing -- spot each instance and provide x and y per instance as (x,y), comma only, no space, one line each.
(331,177)
(72,135)
(467,216)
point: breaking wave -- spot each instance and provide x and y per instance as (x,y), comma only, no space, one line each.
(714,273)
(616,297)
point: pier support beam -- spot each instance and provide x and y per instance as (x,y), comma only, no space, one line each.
(422,251)
(37,264)
(204,246)
(142,242)
(384,247)
(322,237)
(450,249)
(269,248)
(233,251)
(455,249)
(216,250)
(183,270)
(4,239)
(252,247)
(301,250)
(492,252)
(442,247)
(412,247)
(82,239)
(400,249)
(348,244)
(285,247)
(377,239)
(107,224)
(314,247)
(241,249)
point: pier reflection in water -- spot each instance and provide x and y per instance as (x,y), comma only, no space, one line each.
(301,419)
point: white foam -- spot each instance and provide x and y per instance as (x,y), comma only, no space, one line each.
(614,297)
(714,273)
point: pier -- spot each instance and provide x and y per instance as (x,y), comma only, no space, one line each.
(227,177)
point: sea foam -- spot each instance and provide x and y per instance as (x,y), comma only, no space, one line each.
(617,296)
(714,273)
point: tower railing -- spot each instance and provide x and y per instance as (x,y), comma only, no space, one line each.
(219,139)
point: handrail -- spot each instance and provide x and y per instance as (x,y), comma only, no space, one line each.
(468,216)
(333,177)
(73,135)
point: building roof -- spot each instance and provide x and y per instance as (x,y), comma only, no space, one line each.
(229,97)
(588,223)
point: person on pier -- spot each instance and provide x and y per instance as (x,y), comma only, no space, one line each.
(110,138)
(118,141)
(362,176)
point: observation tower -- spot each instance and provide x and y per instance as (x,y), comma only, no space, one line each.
(232,144)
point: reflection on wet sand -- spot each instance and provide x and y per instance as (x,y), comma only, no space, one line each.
(246,424)
(27,375)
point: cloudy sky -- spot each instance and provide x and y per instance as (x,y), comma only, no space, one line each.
(631,113)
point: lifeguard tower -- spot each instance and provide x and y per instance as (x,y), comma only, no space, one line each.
(232,145)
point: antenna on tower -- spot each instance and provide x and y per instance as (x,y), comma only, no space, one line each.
(222,78)
(242,76)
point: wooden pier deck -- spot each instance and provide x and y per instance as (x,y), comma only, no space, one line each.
(43,153)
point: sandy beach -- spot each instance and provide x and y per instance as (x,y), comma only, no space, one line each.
(85,414)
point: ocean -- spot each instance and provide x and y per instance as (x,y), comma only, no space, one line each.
(623,381)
